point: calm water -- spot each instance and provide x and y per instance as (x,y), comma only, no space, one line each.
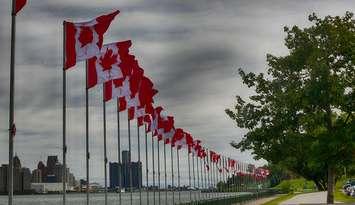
(113,198)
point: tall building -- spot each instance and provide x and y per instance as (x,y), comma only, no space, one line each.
(51,162)
(58,172)
(21,177)
(43,169)
(26,179)
(125,156)
(37,176)
(3,178)
(123,170)
(114,169)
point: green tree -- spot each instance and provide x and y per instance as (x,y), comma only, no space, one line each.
(302,113)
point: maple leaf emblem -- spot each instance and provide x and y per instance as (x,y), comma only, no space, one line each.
(86,36)
(108,60)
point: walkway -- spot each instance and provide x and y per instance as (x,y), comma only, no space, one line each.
(310,198)
(259,201)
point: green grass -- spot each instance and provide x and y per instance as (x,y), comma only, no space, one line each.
(295,185)
(339,196)
(280,199)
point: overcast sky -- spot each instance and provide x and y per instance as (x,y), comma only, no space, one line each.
(190,49)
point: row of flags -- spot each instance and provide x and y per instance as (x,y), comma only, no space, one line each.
(113,66)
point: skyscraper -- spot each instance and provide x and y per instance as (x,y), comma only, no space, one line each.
(114,169)
(125,156)
(22,177)
(3,178)
(37,176)
(51,162)
(117,169)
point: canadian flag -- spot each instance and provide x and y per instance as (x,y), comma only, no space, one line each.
(84,40)
(107,65)
(19,4)
(117,88)
(231,163)
(178,138)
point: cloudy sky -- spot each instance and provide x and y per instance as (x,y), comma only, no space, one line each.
(190,49)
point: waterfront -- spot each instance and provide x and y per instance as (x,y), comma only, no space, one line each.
(113,198)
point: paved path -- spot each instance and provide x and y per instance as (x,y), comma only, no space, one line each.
(259,201)
(310,198)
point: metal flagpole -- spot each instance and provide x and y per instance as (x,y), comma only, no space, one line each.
(64,122)
(105,144)
(198,179)
(178,166)
(153,169)
(172,173)
(202,177)
(139,165)
(223,175)
(146,163)
(212,177)
(130,159)
(215,194)
(215,179)
(11,106)
(119,156)
(193,175)
(203,169)
(165,176)
(87,132)
(189,165)
(208,173)
(226,174)
(158,150)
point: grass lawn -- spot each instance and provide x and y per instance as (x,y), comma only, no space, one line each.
(280,199)
(339,196)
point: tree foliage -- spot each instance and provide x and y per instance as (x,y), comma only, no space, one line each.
(302,114)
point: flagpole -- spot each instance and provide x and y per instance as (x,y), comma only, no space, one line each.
(227,175)
(222,176)
(158,150)
(87,131)
(193,174)
(198,179)
(139,165)
(165,176)
(146,163)
(105,144)
(208,173)
(153,164)
(202,178)
(11,106)
(178,166)
(172,173)
(130,159)
(188,156)
(64,117)
(214,169)
(119,156)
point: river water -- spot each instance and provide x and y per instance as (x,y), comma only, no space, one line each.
(113,198)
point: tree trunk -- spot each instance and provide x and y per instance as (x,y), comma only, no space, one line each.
(331,180)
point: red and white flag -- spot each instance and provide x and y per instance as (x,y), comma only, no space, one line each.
(19,4)
(107,64)
(84,40)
